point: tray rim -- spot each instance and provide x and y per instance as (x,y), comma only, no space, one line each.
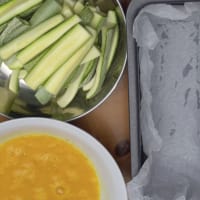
(134,8)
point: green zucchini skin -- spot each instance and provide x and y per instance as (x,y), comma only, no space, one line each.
(57,55)
(92,54)
(42,43)
(57,81)
(109,41)
(14,81)
(66,46)
(14,8)
(28,37)
(73,86)
(48,8)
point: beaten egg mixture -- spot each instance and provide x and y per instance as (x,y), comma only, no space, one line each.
(42,167)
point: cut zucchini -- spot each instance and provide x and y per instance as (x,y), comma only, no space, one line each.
(14,28)
(97,21)
(70,3)
(57,55)
(111,19)
(78,7)
(92,54)
(48,9)
(115,39)
(14,81)
(66,10)
(57,81)
(3,27)
(89,85)
(28,37)
(109,42)
(26,14)
(86,15)
(29,66)
(22,74)
(73,87)
(7,99)
(93,8)
(14,8)
(43,96)
(39,45)
(101,68)
(89,73)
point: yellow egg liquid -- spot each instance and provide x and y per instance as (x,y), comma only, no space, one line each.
(42,167)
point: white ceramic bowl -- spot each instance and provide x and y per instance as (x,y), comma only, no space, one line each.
(112,183)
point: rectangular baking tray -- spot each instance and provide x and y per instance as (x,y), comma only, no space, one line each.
(137,155)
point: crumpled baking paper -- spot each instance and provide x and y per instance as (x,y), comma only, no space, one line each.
(169,54)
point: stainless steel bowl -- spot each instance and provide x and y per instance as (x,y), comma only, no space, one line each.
(25,104)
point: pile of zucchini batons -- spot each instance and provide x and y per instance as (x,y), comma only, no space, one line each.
(57,47)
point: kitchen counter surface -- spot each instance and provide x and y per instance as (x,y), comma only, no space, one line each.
(109,123)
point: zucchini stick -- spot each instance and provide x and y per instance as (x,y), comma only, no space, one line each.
(89,73)
(48,9)
(92,54)
(28,37)
(115,38)
(7,99)
(73,87)
(14,81)
(29,66)
(46,40)
(59,53)
(70,3)
(43,96)
(14,8)
(14,28)
(89,84)
(66,10)
(101,66)
(97,21)
(78,7)
(58,80)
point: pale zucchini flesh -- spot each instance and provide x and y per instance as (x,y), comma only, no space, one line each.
(78,7)
(28,37)
(7,99)
(14,81)
(48,9)
(57,55)
(97,21)
(71,3)
(30,65)
(66,10)
(115,38)
(43,96)
(89,73)
(100,70)
(92,54)
(56,82)
(14,8)
(57,62)
(89,84)
(44,42)
(109,42)
(73,87)
(14,28)
(22,74)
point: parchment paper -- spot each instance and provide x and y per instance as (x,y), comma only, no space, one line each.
(169,54)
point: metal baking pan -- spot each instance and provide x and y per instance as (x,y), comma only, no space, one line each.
(137,156)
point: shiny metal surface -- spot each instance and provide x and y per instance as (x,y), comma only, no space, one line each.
(25,104)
